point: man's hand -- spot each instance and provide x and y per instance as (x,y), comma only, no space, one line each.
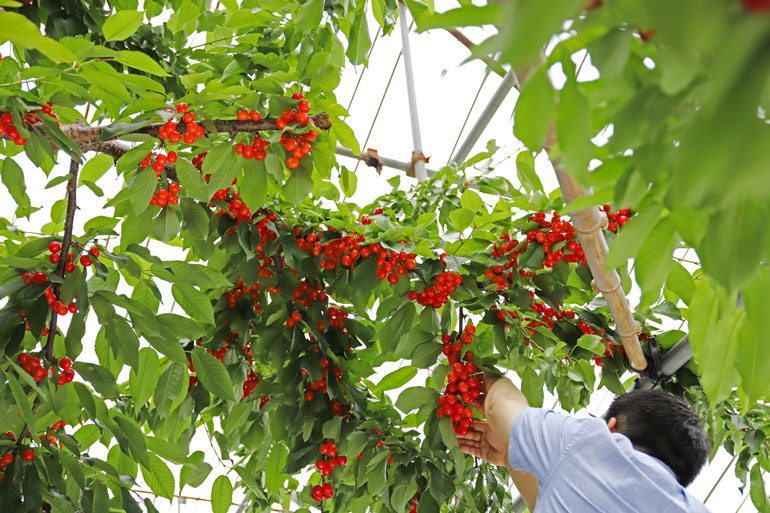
(484,443)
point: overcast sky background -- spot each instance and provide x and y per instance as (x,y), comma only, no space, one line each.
(445,90)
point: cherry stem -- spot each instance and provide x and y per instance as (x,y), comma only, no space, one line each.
(460,328)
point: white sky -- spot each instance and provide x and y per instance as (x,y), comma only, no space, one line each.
(445,90)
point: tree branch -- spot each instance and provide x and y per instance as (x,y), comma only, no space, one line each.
(72,185)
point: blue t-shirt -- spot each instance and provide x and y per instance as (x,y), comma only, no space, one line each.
(582,467)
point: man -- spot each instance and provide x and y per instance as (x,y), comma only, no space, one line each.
(648,447)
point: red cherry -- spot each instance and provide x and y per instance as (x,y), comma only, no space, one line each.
(301,118)
(173,188)
(292,163)
(28,455)
(254,115)
(54,258)
(328,491)
(54,247)
(85,260)
(280,123)
(95,251)
(181,107)
(242,115)
(6,459)
(303,106)
(65,363)
(69,267)
(188,117)
(308,396)
(470,329)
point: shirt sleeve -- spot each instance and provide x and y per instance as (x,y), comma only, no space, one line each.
(538,438)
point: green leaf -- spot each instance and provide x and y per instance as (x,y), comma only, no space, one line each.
(135,438)
(253,185)
(525,170)
(680,282)
(22,401)
(471,200)
(166,225)
(757,491)
(191,181)
(100,377)
(171,388)
(714,323)
(348,181)
(358,39)
(144,381)
(593,343)
(95,168)
(140,61)
(299,185)
(631,238)
(753,364)
(345,136)
(532,386)
(21,32)
(730,252)
(274,466)
(13,179)
(465,16)
(158,477)
(122,25)
(308,16)
(413,398)
(573,126)
(396,379)
(212,374)
(531,25)
(461,219)
(223,165)
(653,262)
(195,219)
(141,188)
(221,495)
(534,110)
(194,302)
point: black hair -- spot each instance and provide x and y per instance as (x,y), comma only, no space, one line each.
(665,427)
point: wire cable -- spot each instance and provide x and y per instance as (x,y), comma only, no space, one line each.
(358,83)
(382,100)
(468,116)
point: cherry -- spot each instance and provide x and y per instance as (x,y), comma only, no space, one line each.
(280,123)
(69,267)
(54,258)
(318,493)
(254,115)
(85,260)
(308,396)
(297,96)
(242,115)
(65,363)
(94,251)
(181,107)
(54,247)
(328,491)
(303,106)
(6,459)
(28,455)
(292,163)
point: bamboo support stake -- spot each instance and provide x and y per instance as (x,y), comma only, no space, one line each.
(588,224)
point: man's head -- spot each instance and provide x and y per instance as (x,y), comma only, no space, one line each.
(663,426)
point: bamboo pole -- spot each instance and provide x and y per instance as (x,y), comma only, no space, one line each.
(588,224)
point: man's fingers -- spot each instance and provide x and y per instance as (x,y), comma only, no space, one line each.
(480,426)
(470,435)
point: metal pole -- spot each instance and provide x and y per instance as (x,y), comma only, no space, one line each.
(419,165)
(674,360)
(509,81)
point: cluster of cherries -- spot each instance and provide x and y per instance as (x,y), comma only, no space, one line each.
(56,305)
(85,260)
(320,384)
(463,386)
(609,347)
(325,467)
(7,127)
(240,291)
(163,197)
(365,219)
(34,367)
(616,219)
(193,131)
(438,294)
(159,164)
(306,293)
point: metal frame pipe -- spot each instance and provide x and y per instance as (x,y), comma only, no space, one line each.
(419,164)
(387,162)
(509,81)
